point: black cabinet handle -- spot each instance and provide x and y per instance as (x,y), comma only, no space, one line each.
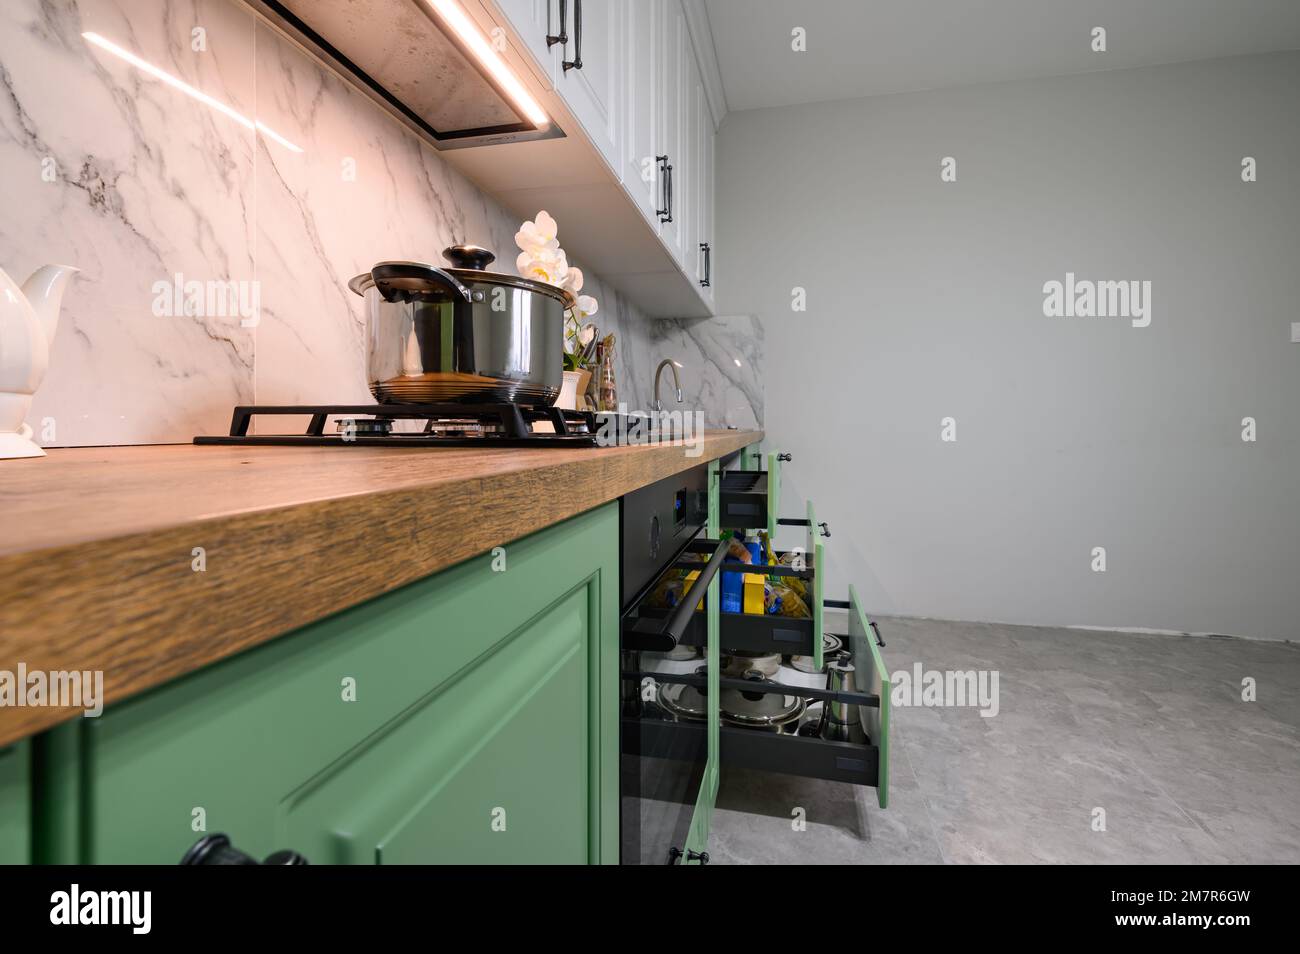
(661,635)
(826,530)
(562,36)
(708,264)
(784,457)
(670,192)
(576,62)
(701,856)
(216,849)
(665,189)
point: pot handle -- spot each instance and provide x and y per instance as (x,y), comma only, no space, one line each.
(404,281)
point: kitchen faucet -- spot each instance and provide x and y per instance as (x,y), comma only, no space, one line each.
(677,383)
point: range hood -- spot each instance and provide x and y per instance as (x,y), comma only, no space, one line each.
(425,61)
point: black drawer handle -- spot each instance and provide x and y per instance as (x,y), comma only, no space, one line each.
(784,457)
(701,856)
(681,615)
(653,636)
(216,849)
(844,604)
(826,530)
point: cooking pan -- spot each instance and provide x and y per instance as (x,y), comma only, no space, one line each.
(461,334)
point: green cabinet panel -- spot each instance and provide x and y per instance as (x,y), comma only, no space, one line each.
(697,836)
(773,493)
(816,552)
(875,679)
(15,804)
(468,717)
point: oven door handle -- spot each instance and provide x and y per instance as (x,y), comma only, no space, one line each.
(666,635)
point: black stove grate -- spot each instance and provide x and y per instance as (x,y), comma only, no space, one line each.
(446,425)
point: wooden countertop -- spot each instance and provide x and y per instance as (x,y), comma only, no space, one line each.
(97,544)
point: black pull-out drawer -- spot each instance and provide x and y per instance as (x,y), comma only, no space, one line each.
(805,746)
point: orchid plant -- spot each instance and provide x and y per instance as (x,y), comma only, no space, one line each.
(542,259)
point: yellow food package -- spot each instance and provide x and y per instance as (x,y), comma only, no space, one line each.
(753,594)
(690,581)
(793,582)
(780,600)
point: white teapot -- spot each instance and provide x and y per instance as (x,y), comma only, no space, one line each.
(28,317)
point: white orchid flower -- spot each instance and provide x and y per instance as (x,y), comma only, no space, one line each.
(585,334)
(573,280)
(587,306)
(550,266)
(539,235)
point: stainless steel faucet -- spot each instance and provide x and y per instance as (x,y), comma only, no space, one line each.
(677,382)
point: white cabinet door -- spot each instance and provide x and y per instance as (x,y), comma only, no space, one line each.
(703,196)
(642,53)
(688,184)
(590,73)
(674,113)
(534,21)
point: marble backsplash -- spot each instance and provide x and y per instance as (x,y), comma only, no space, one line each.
(111,169)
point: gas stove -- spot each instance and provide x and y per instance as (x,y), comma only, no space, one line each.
(416,425)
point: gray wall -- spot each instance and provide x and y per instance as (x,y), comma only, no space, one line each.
(925,301)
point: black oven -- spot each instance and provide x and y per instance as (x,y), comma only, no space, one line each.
(660,774)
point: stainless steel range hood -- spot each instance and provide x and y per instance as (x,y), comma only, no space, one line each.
(424,61)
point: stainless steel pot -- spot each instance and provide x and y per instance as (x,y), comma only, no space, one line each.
(738,662)
(770,712)
(461,334)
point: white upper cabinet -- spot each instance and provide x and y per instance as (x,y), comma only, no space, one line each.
(689,188)
(704,195)
(537,22)
(673,128)
(578,45)
(642,48)
(590,75)
(628,72)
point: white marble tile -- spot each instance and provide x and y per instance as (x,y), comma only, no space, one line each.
(723,372)
(147,183)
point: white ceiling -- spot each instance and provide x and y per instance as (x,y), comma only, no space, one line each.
(868,47)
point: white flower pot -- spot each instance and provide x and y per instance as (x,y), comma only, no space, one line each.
(568,399)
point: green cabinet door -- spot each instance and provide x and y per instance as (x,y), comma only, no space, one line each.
(874,678)
(466,718)
(15,804)
(773,493)
(697,836)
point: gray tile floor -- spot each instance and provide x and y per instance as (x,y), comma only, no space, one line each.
(1152,729)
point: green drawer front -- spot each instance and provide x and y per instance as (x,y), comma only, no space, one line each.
(483,728)
(875,679)
(15,804)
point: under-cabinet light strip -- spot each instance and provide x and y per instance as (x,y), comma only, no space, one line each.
(473,38)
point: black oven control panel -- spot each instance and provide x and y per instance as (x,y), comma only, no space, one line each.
(655,523)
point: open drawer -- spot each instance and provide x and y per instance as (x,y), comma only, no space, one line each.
(752,632)
(751,499)
(841,732)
